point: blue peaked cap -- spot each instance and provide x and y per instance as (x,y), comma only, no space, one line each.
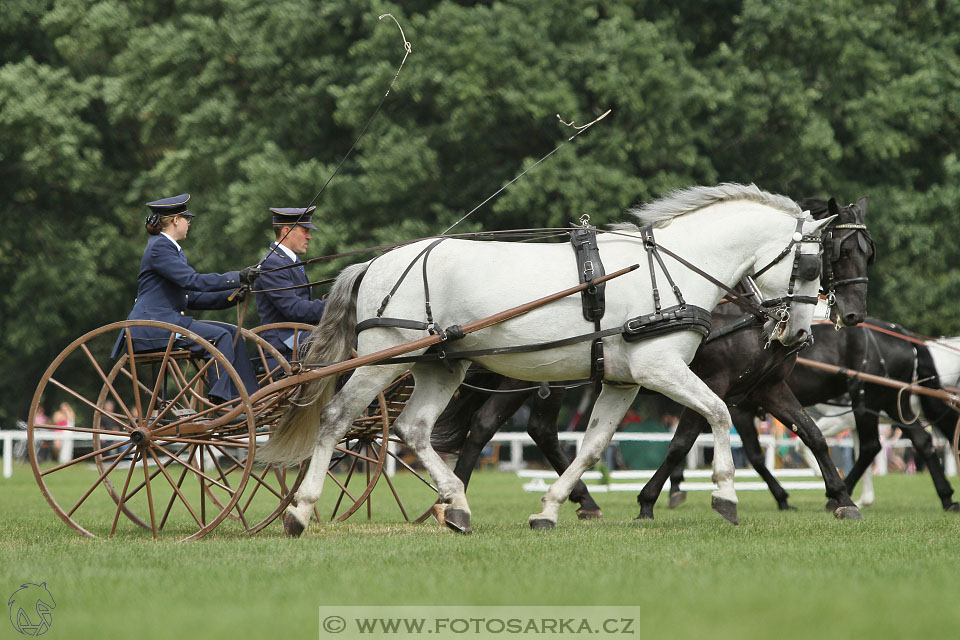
(172,206)
(293,216)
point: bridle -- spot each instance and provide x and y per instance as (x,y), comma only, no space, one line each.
(833,241)
(806,267)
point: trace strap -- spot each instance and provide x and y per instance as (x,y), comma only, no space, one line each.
(589,267)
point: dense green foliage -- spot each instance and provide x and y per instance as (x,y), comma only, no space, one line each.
(107,104)
(788,576)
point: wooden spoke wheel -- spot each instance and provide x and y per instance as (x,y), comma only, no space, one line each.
(155,440)
(270,487)
(956,444)
(360,459)
(301,331)
(357,464)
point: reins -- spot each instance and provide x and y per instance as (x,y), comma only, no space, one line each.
(407,49)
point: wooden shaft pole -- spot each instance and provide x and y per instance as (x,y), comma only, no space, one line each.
(947,394)
(400,349)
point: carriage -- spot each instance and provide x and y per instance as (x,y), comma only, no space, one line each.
(150,410)
(191,463)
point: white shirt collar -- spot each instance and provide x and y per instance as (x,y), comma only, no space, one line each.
(164,234)
(286,250)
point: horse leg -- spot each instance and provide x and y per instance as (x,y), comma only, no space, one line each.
(867,495)
(689,390)
(869,444)
(743,421)
(433,387)
(542,428)
(604,419)
(675,380)
(923,444)
(484,424)
(336,419)
(688,429)
(779,400)
(677,495)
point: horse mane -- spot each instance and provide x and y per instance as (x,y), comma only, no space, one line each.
(680,201)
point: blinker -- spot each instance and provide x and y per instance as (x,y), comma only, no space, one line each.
(808,266)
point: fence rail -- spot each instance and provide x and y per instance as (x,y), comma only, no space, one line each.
(518,440)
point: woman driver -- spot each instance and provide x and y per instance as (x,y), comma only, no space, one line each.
(167,286)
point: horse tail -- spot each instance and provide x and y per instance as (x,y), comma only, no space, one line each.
(937,412)
(295,436)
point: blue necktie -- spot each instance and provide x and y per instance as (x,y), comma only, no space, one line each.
(303,269)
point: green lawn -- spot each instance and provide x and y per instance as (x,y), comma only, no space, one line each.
(795,575)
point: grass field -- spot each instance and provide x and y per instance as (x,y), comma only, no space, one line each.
(795,575)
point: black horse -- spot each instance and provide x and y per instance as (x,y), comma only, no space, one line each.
(848,249)
(476,414)
(879,348)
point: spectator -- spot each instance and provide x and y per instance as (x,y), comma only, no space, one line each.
(64,417)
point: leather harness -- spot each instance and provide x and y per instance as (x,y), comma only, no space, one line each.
(583,239)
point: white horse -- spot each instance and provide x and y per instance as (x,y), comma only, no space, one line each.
(729,231)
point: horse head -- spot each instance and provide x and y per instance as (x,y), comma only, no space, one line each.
(789,283)
(847,250)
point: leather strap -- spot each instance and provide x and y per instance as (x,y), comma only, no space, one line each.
(589,266)
(398,323)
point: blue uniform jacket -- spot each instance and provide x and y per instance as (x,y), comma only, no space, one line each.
(167,286)
(293,305)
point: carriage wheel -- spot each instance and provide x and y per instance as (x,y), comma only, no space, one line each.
(154,437)
(270,487)
(300,332)
(364,452)
(264,495)
(269,365)
(956,444)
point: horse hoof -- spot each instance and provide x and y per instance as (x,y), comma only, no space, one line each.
(542,524)
(291,526)
(677,498)
(726,508)
(589,514)
(953,508)
(848,513)
(646,511)
(458,520)
(832,506)
(783,506)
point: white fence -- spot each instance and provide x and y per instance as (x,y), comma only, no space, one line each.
(518,440)
(620,480)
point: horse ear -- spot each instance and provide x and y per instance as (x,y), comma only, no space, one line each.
(819,225)
(833,207)
(862,205)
